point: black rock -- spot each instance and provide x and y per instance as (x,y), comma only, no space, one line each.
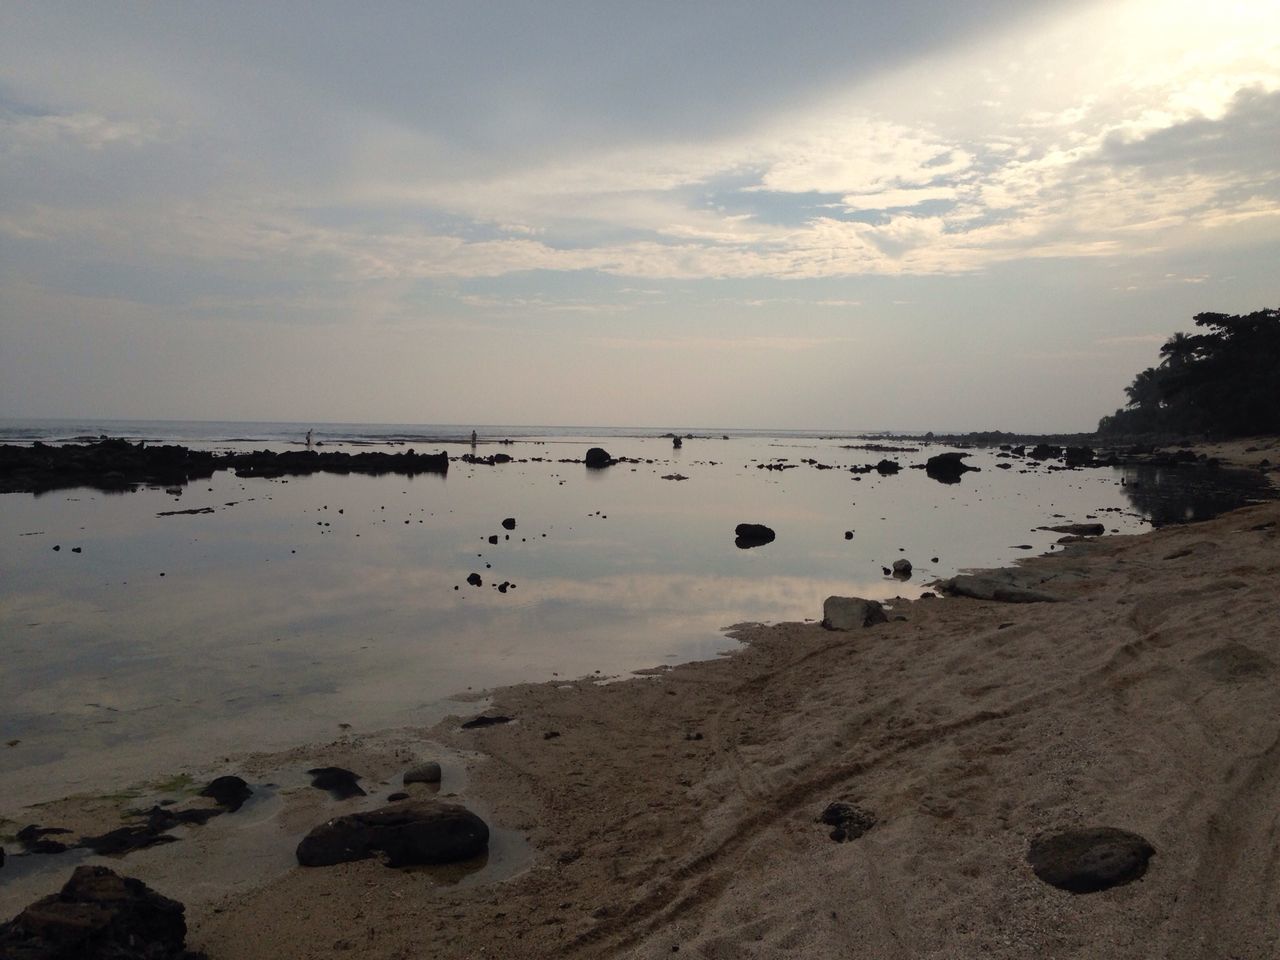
(1045,451)
(888,467)
(1086,861)
(947,467)
(410,832)
(475,580)
(340,783)
(397,796)
(848,534)
(98,915)
(509,523)
(752,535)
(229,792)
(599,457)
(33,840)
(493,538)
(124,840)
(849,820)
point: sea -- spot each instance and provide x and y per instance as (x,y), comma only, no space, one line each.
(139,641)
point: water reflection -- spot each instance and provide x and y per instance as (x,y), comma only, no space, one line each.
(299,604)
(1190,492)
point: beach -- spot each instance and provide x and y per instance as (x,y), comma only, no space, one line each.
(677,811)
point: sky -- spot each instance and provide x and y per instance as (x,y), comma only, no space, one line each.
(930,214)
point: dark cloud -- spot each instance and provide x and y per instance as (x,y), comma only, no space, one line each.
(1243,143)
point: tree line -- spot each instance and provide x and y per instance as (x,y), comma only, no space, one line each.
(1223,381)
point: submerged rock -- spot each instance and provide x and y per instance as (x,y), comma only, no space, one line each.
(851,613)
(409,832)
(1086,861)
(98,915)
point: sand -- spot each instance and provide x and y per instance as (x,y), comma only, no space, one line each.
(677,811)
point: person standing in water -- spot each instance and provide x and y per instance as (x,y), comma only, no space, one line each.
(473,438)
(308,439)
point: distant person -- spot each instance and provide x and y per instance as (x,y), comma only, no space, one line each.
(473,438)
(308,439)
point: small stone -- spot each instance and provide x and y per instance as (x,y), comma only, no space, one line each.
(428,772)
(902,568)
(509,523)
(849,820)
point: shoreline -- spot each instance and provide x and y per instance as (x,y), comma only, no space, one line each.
(678,808)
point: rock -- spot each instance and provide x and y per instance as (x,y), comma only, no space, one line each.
(428,772)
(1044,451)
(340,783)
(398,795)
(887,468)
(1079,529)
(851,613)
(848,534)
(989,588)
(598,457)
(849,820)
(409,832)
(228,792)
(902,568)
(493,538)
(1086,861)
(947,467)
(1234,663)
(752,535)
(32,838)
(677,443)
(98,915)
(509,523)
(122,840)
(1078,456)
(485,721)
(475,580)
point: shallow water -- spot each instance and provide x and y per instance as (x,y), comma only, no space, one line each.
(302,604)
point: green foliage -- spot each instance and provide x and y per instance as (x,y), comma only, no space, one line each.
(1225,381)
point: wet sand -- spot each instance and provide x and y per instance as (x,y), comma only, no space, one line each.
(677,811)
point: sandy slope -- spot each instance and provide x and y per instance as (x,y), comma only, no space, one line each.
(676,812)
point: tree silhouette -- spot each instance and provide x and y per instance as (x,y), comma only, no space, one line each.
(1223,381)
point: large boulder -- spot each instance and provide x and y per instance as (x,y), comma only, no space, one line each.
(98,915)
(851,613)
(947,467)
(409,832)
(749,535)
(598,457)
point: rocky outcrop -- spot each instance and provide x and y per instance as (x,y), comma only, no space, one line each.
(98,915)
(406,833)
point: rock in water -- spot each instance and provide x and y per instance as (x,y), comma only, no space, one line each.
(98,915)
(1086,861)
(748,535)
(947,467)
(902,568)
(410,832)
(851,613)
(599,457)
(1078,529)
(509,523)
